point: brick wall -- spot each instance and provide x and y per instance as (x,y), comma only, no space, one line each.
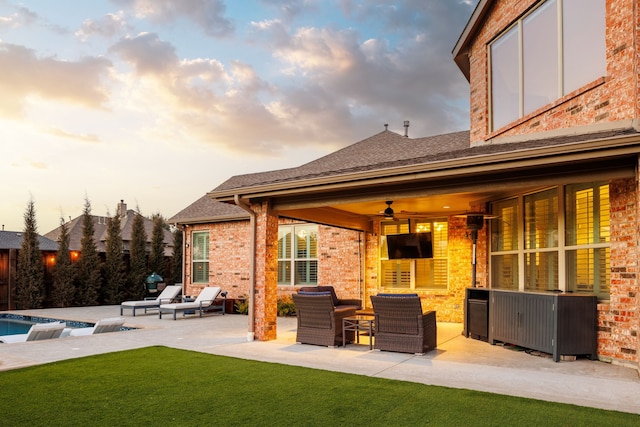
(610,99)
(618,320)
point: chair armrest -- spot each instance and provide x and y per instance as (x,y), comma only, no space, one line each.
(354,301)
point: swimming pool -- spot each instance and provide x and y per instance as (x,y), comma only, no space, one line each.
(13,324)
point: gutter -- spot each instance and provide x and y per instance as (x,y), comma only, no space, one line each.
(252,269)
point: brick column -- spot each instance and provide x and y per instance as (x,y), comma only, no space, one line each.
(618,320)
(266,275)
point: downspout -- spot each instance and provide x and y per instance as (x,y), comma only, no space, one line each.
(252,267)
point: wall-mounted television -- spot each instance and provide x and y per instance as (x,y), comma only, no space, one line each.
(412,245)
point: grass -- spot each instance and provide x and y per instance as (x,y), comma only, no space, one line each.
(164,386)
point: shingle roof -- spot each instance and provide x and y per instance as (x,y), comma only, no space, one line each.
(206,209)
(13,240)
(367,154)
(389,150)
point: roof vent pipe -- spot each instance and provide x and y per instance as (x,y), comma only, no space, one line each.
(406,128)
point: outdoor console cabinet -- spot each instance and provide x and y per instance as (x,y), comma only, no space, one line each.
(555,323)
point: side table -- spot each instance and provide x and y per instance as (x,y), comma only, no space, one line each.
(357,324)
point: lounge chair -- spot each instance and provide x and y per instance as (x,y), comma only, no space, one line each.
(112,324)
(169,294)
(39,331)
(204,302)
(401,325)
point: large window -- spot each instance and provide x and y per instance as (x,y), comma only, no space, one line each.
(530,252)
(200,257)
(298,255)
(423,273)
(553,50)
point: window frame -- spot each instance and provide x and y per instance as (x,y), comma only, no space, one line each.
(289,264)
(562,249)
(409,268)
(204,260)
(565,83)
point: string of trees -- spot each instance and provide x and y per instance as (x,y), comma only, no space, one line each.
(92,280)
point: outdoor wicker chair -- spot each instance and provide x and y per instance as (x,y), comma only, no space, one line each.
(400,324)
(319,321)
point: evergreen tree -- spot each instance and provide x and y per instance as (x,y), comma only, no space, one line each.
(156,258)
(30,290)
(63,289)
(88,277)
(115,278)
(137,260)
(176,258)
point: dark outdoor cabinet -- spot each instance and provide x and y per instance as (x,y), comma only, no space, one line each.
(476,315)
(559,324)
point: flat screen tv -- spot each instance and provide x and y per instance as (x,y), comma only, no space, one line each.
(408,246)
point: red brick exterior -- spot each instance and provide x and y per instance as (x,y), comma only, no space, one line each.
(612,98)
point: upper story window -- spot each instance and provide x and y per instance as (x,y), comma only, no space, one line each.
(553,50)
(298,253)
(200,257)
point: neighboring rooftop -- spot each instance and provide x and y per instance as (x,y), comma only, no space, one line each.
(13,240)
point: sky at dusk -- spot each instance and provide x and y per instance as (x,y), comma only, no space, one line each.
(157,102)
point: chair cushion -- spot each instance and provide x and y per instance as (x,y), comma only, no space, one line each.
(314,294)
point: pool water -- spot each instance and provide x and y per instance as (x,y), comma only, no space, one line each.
(14,327)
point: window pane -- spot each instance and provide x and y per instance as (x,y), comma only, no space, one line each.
(540,56)
(584,42)
(587,208)
(588,271)
(505,81)
(504,229)
(200,273)
(306,272)
(396,274)
(504,271)
(284,242)
(284,272)
(200,246)
(306,241)
(541,220)
(541,271)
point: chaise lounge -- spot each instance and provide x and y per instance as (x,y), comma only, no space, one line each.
(113,324)
(39,331)
(169,294)
(400,325)
(204,302)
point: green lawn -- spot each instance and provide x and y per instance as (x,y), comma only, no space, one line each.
(163,386)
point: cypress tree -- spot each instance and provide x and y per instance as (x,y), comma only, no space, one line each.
(176,258)
(115,277)
(63,289)
(88,278)
(30,289)
(137,260)
(156,258)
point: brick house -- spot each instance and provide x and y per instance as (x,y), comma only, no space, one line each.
(551,162)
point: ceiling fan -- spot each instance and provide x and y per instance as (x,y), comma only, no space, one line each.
(389,214)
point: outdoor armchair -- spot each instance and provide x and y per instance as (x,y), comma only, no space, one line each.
(169,294)
(319,321)
(400,324)
(204,302)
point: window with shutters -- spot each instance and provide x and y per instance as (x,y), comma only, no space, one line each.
(423,273)
(200,257)
(553,240)
(298,255)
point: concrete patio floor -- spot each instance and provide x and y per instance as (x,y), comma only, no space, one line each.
(457,362)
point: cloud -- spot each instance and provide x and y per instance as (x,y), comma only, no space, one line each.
(109,26)
(206,14)
(147,53)
(24,74)
(92,138)
(20,18)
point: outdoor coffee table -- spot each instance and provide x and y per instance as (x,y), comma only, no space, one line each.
(358,323)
